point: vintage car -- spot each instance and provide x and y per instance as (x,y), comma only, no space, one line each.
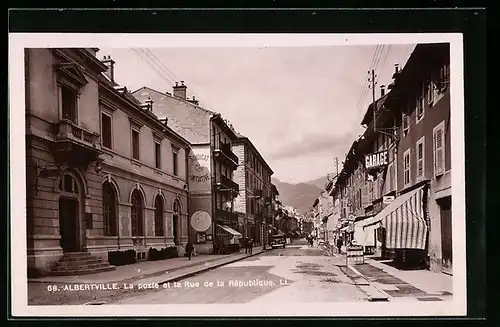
(278,240)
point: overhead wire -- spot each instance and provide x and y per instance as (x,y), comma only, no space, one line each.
(375,59)
(145,59)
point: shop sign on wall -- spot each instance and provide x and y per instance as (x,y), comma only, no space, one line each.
(375,160)
(201,221)
(199,169)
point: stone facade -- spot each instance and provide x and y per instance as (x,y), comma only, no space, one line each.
(67,166)
(254,203)
(206,131)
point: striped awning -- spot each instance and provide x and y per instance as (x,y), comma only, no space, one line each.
(403,221)
(229,230)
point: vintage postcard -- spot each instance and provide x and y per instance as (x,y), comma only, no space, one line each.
(237,175)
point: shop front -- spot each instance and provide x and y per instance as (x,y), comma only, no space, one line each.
(403,228)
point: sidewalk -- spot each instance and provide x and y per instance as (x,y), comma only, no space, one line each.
(382,282)
(425,280)
(174,267)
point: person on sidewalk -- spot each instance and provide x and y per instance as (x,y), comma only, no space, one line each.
(189,249)
(250,245)
(339,245)
(244,244)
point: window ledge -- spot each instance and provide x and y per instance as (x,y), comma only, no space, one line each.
(135,162)
(158,171)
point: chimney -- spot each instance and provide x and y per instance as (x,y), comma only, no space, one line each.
(193,101)
(149,102)
(110,73)
(180,90)
(382,90)
(396,68)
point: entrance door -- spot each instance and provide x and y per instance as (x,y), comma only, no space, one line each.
(446,235)
(68,217)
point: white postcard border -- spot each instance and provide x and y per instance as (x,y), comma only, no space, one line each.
(19,41)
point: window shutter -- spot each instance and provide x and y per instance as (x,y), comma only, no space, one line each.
(420,159)
(420,168)
(438,151)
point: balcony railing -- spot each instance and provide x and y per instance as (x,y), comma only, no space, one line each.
(259,216)
(225,215)
(226,183)
(75,144)
(69,131)
(257,193)
(225,149)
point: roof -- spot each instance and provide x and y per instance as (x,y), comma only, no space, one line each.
(368,117)
(185,118)
(245,140)
(133,102)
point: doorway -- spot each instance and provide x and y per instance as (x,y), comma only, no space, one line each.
(68,224)
(446,235)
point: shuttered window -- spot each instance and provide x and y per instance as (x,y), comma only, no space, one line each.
(420,103)
(420,158)
(406,124)
(407,167)
(438,141)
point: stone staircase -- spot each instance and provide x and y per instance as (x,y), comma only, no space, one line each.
(80,263)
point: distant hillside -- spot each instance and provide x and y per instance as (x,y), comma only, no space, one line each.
(300,196)
(320,182)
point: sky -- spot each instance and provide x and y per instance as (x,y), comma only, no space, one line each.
(300,106)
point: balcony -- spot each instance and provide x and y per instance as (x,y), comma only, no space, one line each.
(75,145)
(226,184)
(223,152)
(259,216)
(257,193)
(225,215)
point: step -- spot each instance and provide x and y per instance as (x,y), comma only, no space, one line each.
(82,267)
(78,258)
(79,262)
(76,254)
(82,272)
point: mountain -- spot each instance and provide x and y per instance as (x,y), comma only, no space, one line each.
(320,182)
(301,196)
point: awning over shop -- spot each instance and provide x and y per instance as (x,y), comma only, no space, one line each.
(403,221)
(230,230)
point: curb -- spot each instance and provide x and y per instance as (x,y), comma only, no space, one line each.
(158,273)
(202,270)
(373,293)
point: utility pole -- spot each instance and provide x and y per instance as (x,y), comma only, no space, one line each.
(371,79)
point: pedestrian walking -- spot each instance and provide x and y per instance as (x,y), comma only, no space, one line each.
(339,245)
(310,240)
(250,245)
(189,249)
(244,244)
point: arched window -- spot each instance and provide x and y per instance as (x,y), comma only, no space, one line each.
(159,216)
(137,214)
(176,222)
(109,207)
(68,184)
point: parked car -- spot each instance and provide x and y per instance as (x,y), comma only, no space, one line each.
(278,240)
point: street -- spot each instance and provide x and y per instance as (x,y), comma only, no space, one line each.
(297,273)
